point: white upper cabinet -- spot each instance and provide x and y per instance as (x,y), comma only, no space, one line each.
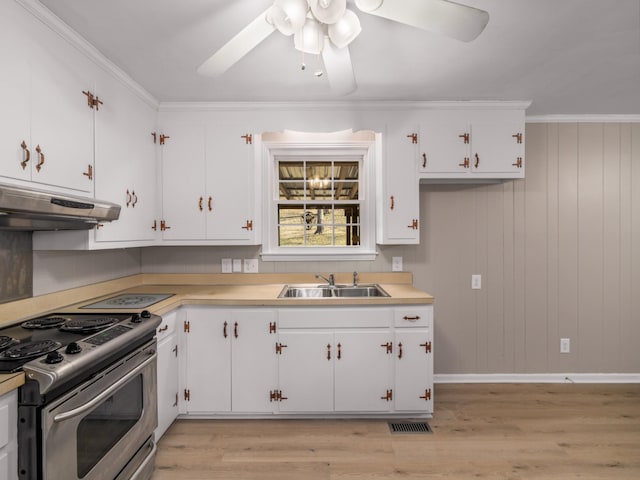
(398,188)
(47,124)
(208,182)
(471,145)
(125,157)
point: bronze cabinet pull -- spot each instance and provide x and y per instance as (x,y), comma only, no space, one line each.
(411,319)
(200,203)
(209,203)
(477,161)
(224,330)
(339,351)
(163,329)
(134,199)
(400,350)
(27,155)
(393,202)
(235,329)
(328,351)
(41,162)
(424,160)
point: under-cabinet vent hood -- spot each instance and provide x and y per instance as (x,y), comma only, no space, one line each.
(29,209)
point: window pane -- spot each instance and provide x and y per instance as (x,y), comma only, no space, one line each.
(346,190)
(291,190)
(291,236)
(290,170)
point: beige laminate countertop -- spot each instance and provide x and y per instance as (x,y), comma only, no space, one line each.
(205,289)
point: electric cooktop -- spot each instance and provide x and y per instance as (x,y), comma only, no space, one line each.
(130,301)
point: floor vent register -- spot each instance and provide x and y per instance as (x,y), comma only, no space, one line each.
(409,427)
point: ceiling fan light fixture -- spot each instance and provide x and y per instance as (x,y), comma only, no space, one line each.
(368,5)
(288,16)
(310,38)
(345,30)
(328,11)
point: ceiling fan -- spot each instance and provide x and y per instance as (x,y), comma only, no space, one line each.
(327,27)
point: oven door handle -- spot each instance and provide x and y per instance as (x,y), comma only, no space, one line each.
(145,462)
(61,417)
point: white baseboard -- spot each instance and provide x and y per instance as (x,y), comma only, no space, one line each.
(538,378)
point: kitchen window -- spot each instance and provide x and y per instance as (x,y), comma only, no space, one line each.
(319,199)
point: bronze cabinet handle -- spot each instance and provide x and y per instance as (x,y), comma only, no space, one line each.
(27,155)
(134,198)
(235,329)
(224,330)
(400,350)
(339,351)
(393,202)
(424,160)
(209,203)
(41,162)
(200,207)
(328,351)
(477,161)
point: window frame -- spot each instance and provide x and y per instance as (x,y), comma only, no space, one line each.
(366,146)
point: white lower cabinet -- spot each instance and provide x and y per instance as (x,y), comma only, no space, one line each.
(230,360)
(9,436)
(310,360)
(168,363)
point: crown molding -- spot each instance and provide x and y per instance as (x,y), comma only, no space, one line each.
(48,18)
(346,105)
(590,118)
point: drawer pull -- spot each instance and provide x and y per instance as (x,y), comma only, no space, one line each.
(400,350)
(411,319)
(224,329)
(235,329)
(328,351)
(163,329)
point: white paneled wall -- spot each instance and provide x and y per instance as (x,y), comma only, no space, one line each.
(559,255)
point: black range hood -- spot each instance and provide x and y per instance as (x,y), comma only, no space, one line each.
(29,209)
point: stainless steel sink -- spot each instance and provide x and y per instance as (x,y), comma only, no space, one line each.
(337,291)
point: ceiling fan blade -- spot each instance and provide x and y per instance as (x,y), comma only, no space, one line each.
(441,16)
(339,69)
(236,48)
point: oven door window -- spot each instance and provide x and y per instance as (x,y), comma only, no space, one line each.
(100,430)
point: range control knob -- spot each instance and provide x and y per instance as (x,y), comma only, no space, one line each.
(146,314)
(53,357)
(73,348)
(135,318)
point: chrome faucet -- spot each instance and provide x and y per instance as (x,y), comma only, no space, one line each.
(331,281)
(355,279)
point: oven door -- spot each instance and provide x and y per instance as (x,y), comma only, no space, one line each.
(103,429)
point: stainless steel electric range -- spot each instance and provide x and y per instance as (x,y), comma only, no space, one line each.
(88,407)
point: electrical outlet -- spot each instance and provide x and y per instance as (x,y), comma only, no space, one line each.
(476,282)
(227,266)
(565,345)
(250,265)
(396,264)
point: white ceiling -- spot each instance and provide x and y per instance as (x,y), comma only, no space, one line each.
(567,56)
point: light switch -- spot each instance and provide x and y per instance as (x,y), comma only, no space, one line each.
(476,282)
(237,265)
(227,266)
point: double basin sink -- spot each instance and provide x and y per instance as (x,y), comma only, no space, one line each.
(332,291)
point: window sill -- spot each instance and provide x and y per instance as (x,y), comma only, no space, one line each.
(318,256)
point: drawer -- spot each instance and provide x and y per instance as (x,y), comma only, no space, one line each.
(414,316)
(168,325)
(329,317)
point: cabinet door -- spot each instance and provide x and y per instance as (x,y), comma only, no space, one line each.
(230,184)
(306,371)
(413,370)
(15,90)
(363,370)
(253,360)
(208,361)
(183,180)
(168,394)
(496,147)
(444,146)
(125,170)
(399,204)
(62,121)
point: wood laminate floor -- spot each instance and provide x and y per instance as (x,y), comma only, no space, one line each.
(507,431)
